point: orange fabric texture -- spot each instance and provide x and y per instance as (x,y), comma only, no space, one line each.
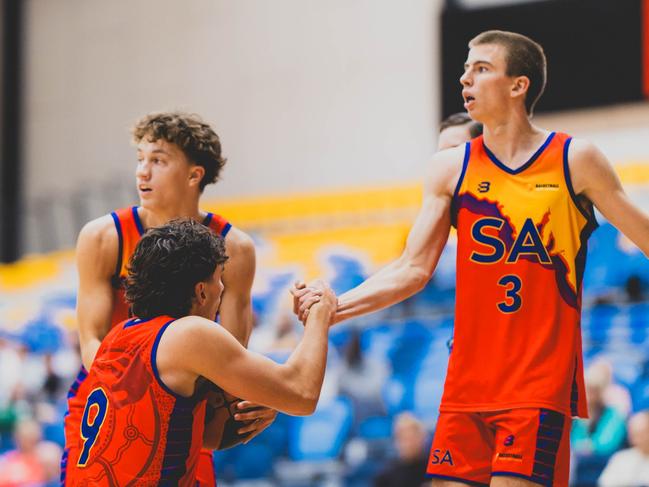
(520,259)
(533,444)
(132,427)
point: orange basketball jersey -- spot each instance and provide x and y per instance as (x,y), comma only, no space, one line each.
(520,260)
(133,429)
(129,231)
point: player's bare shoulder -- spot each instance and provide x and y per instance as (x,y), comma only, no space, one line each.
(239,247)
(98,244)
(443,171)
(587,164)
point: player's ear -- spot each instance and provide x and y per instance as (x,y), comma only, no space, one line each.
(199,293)
(196,175)
(520,86)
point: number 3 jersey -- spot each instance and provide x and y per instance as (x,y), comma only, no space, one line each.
(133,429)
(520,259)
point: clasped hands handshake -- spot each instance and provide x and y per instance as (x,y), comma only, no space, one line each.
(315,293)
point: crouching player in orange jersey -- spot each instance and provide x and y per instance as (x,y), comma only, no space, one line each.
(142,421)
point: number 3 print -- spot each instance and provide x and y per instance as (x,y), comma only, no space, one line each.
(97,404)
(514,300)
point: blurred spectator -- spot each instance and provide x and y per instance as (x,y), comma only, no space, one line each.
(52,383)
(362,378)
(409,469)
(457,129)
(49,455)
(630,467)
(604,432)
(633,288)
(22,466)
(615,395)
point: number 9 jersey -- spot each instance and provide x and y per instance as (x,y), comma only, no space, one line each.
(133,430)
(520,260)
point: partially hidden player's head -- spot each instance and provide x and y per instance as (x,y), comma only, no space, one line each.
(178,155)
(457,129)
(176,271)
(503,69)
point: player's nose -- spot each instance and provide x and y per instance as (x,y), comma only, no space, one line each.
(143,171)
(465,79)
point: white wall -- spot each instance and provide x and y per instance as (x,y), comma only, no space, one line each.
(304,93)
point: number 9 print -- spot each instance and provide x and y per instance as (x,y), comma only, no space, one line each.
(97,401)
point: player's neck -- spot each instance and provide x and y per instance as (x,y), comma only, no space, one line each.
(155,217)
(513,140)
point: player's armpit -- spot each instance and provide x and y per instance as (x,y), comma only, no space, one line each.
(593,177)
(96,257)
(235,312)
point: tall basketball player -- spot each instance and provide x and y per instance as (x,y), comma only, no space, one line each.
(142,421)
(521,198)
(178,155)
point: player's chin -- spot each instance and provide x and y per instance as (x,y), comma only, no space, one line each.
(148,202)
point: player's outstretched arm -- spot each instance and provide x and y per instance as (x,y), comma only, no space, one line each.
(412,270)
(235,312)
(96,255)
(195,346)
(593,176)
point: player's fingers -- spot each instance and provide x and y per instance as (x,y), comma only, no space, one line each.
(304,315)
(299,296)
(253,415)
(299,291)
(243,404)
(249,428)
(308,302)
(260,426)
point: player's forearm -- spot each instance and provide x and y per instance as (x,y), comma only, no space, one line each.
(89,347)
(238,321)
(305,367)
(392,284)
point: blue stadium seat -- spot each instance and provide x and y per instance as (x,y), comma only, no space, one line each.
(321,436)
(375,428)
(42,335)
(398,394)
(428,395)
(54,432)
(254,461)
(378,340)
(348,272)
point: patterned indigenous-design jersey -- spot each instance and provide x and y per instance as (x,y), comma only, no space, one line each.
(521,253)
(129,230)
(133,429)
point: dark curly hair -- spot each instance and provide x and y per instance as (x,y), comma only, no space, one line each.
(188,131)
(166,265)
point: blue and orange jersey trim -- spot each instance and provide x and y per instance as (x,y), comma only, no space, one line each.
(130,229)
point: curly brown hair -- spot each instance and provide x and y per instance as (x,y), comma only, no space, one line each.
(167,264)
(188,131)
